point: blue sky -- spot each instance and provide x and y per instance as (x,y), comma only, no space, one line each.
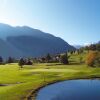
(76,21)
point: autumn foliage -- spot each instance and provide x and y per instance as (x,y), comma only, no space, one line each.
(93,59)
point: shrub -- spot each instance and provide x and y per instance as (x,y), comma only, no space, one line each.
(93,59)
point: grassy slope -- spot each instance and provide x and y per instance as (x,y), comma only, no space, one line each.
(22,81)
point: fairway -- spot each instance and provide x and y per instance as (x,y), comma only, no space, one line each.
(54,70)
(17,84)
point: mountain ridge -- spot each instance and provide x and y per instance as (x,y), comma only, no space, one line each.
(28,42)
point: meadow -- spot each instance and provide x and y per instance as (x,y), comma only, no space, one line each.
(19,84)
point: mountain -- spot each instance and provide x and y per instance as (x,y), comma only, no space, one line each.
(78,46)
(6,50)
(28,42)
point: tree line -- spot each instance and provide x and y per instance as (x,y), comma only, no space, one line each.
(92,59)
(93,47)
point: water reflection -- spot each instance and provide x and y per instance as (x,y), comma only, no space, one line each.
(71,90)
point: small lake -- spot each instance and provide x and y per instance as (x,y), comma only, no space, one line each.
(71,90)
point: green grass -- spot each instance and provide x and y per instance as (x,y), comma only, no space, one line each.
(20,82)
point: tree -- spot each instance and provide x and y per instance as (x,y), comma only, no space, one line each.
(71,52)
(93,59)
(86,48)
(10,60)
(1,60)
(48,57)
(29,62)
(98,46)
(43,59)
(81,59)
(92,47)
(64,59)
(21,62)
(97,60)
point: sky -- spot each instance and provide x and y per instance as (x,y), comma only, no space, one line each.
(76,21)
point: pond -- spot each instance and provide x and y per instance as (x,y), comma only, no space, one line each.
(71,90)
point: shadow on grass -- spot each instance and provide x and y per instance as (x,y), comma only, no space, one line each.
(72,63)
(54,64)
(75,63)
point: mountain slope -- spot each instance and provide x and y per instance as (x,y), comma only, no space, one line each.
(36,46)
(28,42)
(7,50)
